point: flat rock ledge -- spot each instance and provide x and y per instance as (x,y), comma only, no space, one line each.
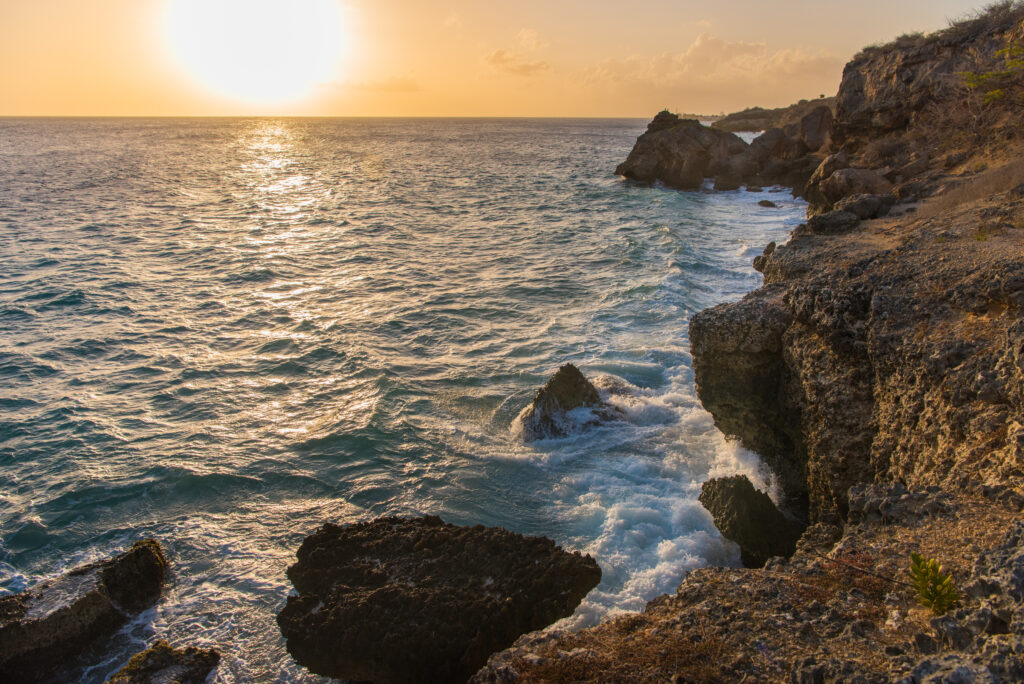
(161,664)
(399,599)
(566,403)
(43,628)
(750,518)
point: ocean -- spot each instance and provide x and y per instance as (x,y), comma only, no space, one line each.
(221,333)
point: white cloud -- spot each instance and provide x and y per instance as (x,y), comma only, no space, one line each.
(515,63)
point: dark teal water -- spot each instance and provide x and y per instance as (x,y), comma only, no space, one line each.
(221,333)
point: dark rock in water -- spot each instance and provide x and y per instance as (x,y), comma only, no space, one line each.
(749,518)
(161,664)
(680,153)
(401,600)
(566,391)
(42,628)
(761,261)
(768,204)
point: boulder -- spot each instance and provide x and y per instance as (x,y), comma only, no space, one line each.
(853,181)
(161,664)
(866,206)
(567,402)
(749,517)
(42,628)
(832,223)
(768,204)
(400,600)
(679,152)
(828,166)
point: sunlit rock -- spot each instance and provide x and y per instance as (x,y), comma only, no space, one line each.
(42,628)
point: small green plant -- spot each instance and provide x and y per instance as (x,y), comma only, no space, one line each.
(935,589)
(997,84)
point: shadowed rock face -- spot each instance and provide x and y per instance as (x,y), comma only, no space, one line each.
(43,628)
(161,664)
(749,517)
(398,600)
(566,391)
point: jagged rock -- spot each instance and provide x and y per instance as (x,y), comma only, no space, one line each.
(42,628)
(161,664)
(397,600)
(889,503)
(680,153)
(852,181)
(568,401)
(749,517)
(761,261)
(866,206)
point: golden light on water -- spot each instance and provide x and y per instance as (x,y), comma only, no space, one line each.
(257,51)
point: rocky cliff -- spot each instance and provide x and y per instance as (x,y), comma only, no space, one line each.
(880,374)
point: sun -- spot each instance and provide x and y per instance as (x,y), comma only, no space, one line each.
(257,51)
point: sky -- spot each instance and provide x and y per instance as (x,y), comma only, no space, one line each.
(576,58)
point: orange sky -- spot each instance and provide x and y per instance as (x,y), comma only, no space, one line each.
(455,57)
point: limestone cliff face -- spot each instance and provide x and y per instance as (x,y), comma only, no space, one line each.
(895,352)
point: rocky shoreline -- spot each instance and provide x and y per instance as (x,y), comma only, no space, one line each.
(879,372)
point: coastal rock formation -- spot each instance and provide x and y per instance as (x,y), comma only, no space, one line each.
(42,628)
(760,119)
(161,664)
(397,600)
(749,517)
(680,153)
(887,353)
(567,402)
(831,613)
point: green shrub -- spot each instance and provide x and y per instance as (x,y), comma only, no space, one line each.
(999,83)
(935,589)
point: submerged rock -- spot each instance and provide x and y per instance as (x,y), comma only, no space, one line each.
(161,664)
(42,628)
(568,391)
(398,600)
(749,517)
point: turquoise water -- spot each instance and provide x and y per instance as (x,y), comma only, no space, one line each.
(220,333)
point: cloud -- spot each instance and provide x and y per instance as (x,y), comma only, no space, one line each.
(712,69)
(394,84)
(529,40)
(515,63)
(453,21)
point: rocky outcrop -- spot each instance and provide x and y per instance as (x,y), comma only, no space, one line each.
(760,119)
(398,600)
(161,664)
(679,153)
(682,153)
(749,517)
(43,628)
(566,403)
(839,610)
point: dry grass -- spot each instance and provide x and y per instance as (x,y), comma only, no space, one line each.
(997,17)
(992,181)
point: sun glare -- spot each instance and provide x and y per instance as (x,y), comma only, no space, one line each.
(258,51)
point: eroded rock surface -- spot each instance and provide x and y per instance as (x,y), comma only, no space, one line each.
(162,664)
(749,517)
(567,402)
(43,628)
(403,600)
